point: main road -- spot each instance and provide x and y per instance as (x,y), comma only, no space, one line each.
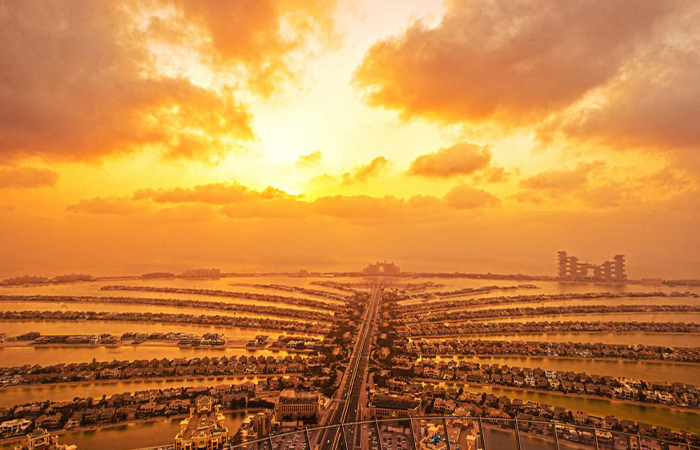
(346,404)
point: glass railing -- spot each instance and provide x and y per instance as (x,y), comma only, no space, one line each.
(469,433)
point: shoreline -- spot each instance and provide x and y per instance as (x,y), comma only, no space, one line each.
(562,394)
(515,303)
(236,344)
(140,379)
(525,318)
(529,333)
(280,331)
(62,431)
(578,358)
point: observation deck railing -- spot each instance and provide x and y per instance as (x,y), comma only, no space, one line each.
(452,432)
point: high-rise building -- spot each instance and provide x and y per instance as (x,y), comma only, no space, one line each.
(204,429)
(569,268)
(618,268)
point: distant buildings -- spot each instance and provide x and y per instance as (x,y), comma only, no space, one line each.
(295,405)
(40,439)
(204,429)
(30,279)
(382,268)
(570,268)
(201,273)
(157,275)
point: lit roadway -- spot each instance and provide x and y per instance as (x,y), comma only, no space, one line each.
(346,405)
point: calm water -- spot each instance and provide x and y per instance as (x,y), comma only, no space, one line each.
(225,284)
(545,288)
(670,339)
(643,370)
(135,435)
(672,418)
(19,356)
(18,395)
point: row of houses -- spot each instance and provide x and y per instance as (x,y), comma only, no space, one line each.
(127,406)
(157,368)
(467,347)
(438,399)
(536,327)
(674,394)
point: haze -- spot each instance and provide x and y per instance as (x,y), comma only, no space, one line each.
(274,135)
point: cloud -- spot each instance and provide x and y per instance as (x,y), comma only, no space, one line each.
(593,186)
(492,174)
(78,83)
(276,208)
(556,184)
(367,171)
(512,61)
(236,201)
(463,158)
(263,36)
(467,197)
(86,80)
(310,160)
(214,193)
(560,180)
(27,177)
(118,206)
(656,106)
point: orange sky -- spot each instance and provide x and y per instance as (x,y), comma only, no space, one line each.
(480,135)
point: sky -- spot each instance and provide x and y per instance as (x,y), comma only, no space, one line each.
(478,135)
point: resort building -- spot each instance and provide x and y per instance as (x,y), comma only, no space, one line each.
(382,268)
(40,439)
(571,268)
(204,429)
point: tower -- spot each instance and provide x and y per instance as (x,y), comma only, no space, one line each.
(561,264)
(619,268)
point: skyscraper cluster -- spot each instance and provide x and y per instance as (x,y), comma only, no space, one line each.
(571,268)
